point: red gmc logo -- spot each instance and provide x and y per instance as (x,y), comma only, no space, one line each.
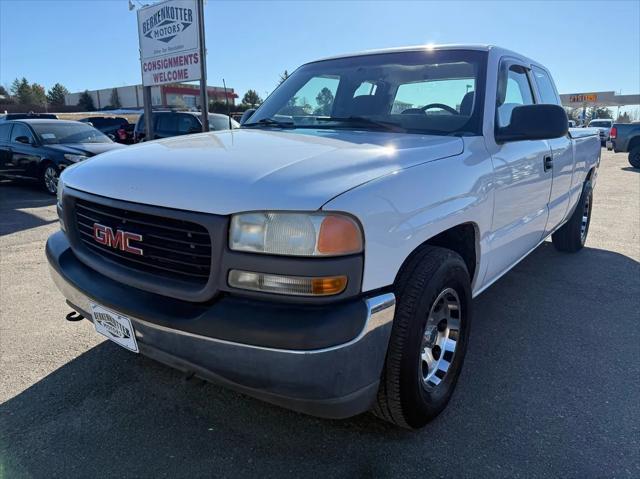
(118,240)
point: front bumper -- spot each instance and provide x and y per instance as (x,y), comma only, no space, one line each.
(298,356)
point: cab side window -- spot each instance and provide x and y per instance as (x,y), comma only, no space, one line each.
(20,130)
(517,92)
(546,89)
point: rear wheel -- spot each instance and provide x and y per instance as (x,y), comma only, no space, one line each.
(49,178)
(428,340)
(634,157)
(572,236)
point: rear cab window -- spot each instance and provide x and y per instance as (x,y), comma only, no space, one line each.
(545,86)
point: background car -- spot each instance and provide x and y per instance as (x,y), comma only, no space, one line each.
(625,137)
(40,149)
(604,126)
(117,128)
(174,123)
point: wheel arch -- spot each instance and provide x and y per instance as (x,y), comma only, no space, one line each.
(463,238)
(633,142)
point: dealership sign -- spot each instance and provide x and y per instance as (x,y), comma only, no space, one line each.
(168,33)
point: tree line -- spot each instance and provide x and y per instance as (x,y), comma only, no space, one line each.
(21,92)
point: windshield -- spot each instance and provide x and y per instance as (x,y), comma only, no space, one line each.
(605,124)
(54,133)
(428,91)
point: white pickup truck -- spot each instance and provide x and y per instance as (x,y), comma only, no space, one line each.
(324,257)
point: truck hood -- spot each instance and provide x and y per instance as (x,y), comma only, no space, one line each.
(248,169)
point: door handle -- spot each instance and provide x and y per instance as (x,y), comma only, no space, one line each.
(548,162)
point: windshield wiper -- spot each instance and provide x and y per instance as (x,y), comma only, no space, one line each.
(271,122)
(361,120)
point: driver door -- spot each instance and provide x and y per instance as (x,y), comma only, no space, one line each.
(522,177)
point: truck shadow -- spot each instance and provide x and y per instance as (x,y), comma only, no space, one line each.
(530,383)
(18,196)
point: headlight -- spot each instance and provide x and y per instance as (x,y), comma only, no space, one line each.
(75,158)
(295,234)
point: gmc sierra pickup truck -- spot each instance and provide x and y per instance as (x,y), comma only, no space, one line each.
(324,256)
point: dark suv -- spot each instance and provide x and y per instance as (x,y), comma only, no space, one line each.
(174,123)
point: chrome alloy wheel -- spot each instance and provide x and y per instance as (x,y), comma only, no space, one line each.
(586,215)
(440,338)
(51,179)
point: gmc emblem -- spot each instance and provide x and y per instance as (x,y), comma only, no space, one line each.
(118,240)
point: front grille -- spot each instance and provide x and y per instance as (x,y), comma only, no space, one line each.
(172,248)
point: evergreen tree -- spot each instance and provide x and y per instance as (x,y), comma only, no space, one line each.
(38,95)
(86,101)
(56,95)
(115,99)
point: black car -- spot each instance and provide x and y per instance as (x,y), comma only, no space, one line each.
(174,123)
(41,149)
(117,128)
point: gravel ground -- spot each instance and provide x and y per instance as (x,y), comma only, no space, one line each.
(550,386)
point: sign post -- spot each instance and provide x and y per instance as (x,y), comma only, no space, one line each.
(171,35)
(204,99)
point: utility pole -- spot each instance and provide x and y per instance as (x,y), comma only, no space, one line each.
(204,101)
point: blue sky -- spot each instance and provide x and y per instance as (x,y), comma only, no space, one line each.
(88,44)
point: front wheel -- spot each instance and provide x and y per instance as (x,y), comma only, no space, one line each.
(634,157)
(428,340)
(572,236)
(49,179)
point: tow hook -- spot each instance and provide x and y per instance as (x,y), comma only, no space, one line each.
(74,316)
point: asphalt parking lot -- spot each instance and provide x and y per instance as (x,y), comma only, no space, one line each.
(550,387)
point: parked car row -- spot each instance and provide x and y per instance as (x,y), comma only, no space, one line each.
(175,123)
(38,147)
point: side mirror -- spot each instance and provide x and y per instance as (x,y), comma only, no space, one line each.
(246,115)
(534,122)
(112,137)
(23,139)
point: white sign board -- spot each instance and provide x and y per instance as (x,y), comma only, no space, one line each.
(168,33)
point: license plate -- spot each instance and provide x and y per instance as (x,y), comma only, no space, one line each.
(115,326)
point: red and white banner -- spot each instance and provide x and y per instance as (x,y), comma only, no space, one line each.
(171,69)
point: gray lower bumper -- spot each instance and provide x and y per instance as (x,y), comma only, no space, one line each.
(337,382)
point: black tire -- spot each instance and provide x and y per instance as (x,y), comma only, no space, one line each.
(571,237)
(634,157)
(46,180)
(403,397)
